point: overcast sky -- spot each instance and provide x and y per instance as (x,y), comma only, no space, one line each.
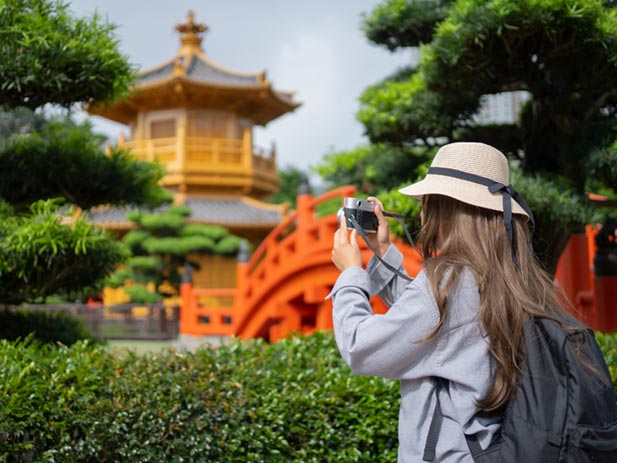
(314,47)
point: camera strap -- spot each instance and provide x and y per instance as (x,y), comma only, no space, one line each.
(362,233)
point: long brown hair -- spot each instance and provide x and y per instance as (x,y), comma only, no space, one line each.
(455,236)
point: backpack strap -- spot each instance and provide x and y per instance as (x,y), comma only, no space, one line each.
(473,444)
(435,427)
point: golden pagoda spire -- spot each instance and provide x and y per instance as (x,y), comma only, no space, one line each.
(190,34)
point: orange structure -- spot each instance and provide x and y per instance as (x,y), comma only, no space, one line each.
(575,273)
(282,288)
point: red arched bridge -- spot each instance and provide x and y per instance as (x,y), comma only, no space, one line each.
(282,288)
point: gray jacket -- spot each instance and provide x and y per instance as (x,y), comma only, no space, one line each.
(389,346)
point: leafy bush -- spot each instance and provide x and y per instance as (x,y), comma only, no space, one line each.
(293,401)
(140,293)
(40,256)
(608,344)
(44,326)
(214,232)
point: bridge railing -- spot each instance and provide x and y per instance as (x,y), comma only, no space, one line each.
(298,235)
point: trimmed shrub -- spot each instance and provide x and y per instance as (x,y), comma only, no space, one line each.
(293,401)
(45,326)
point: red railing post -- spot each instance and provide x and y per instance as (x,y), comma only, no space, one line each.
(242,258)
(574,274)
(605,282)
(304,207)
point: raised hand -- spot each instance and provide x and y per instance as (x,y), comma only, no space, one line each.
(380,241)
(346,252)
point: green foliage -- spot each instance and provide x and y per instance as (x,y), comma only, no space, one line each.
(393,201)
(608,345)
(160,247)
(44,326)
(49,56)
(602,166)
(178,246)
(41,256)
(331,206)
(372,167)
(559,211)
(213,232)
(293,401)
(63,158)
(561,52)
(146,263)
(164,220)
(555,197)
(141,294)
(229,245)
(291,177)
(403,23)
(118,278)
(135,237)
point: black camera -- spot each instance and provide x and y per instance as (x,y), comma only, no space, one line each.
(362,211)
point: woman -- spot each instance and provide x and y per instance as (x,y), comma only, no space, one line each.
(462,317)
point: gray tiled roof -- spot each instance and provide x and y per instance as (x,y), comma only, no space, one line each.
(207,210)
(199,70)
(231,211)
(110,214)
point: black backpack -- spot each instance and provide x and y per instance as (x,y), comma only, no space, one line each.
(563,411)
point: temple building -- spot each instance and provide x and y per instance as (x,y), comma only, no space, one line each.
(197,117)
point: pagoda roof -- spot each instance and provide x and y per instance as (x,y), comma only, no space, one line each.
(229,212)
(193,80)
(199,68)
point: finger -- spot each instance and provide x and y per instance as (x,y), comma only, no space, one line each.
(378,209)
(340,236)
(343,222)
(354,239)
(381,219)
(377,202)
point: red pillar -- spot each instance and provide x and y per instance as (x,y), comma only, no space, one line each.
(605,282)
(304,208)
(187,311)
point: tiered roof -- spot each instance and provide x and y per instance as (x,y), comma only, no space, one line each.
(191,79)
(227,212)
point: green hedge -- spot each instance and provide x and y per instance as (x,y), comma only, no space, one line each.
(293,401)
(608,344)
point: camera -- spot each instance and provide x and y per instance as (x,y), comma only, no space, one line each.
(362,211)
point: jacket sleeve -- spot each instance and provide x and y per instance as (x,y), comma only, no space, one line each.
(388,345)
(385,283)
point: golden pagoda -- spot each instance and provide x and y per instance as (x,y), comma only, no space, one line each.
(196,117)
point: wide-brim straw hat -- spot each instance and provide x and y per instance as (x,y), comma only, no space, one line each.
(476,159)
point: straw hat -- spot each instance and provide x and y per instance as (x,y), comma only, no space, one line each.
(473,173)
